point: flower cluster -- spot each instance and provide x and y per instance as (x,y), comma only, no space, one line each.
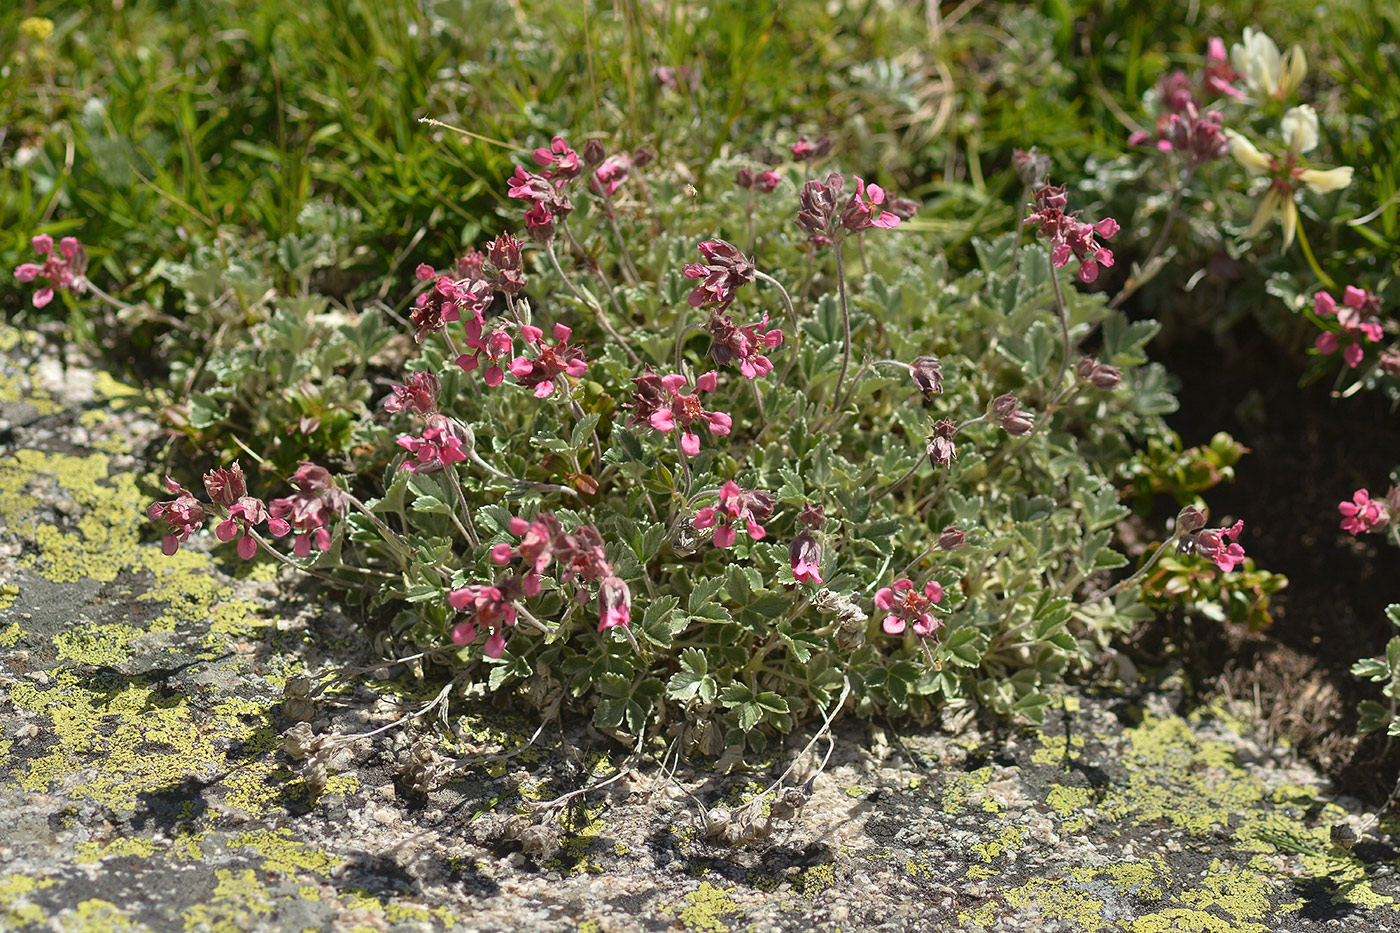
(1359,319)
(1216,544)
(724,271)
(660,403)
(736,507)
(543,372)
(1182,127)
(419,394)
(548,203)
(446,300)
(823,216)
(543,542)
(310,510)
(1006,411)
(1364,514)
(439,446)
(742,343)
(184,514)
(1300,132)
(63,267)
(765,181)
(1068,236)
(908,607)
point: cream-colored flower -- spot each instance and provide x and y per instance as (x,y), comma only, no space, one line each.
(1300,129)
(1266,72)
(1248,155)
(1322,181)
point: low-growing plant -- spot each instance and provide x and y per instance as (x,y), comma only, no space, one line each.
(707,492)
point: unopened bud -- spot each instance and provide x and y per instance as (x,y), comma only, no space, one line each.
(1191,519)
(594,153)
(927,372)
(1031,167)
(952,538)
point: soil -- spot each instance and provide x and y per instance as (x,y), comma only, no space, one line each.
(1309,451)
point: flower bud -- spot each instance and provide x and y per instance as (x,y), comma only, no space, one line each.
(594,153)
(941,450)
(1191,519)
(225,487)
(1031,166)
(927,372)
(952,538)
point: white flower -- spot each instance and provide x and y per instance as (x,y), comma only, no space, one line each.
(1300,129)
(1248,155)
(1266,73)
(1321,182)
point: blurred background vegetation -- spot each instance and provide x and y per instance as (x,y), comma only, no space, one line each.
(288,138)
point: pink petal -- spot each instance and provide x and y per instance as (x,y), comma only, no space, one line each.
(690,444)
(247,547)
(893,625)
(724,536)
(463,633)
(169,545)
(42,297)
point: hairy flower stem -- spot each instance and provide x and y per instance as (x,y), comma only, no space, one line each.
(468,531)
(1137,574)
(1062,313)
(598,312)
(1161,241)
(792,317)
(284,559)
(529,484)
(836,399)
(680,341)
(389,535)
(1002,455)
(827,719)
(628,269)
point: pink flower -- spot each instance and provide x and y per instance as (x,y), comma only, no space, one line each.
(64,269)
(609,176)
(309,511)
(863,210)
(1363,513)
(243,516)
(547,203)
(907,607)
(1219,78)
(744,344)
(552,362)
(1215,544)
(724,272)
(805,554)
(614,603)
(1359,320)
(558,160)
(225,487)
(184,514)
(446,300)
(762,181)
(496,349)
(418,394)
(1068,236)
(660,403)
(438,447)
(492,607)
(736,506)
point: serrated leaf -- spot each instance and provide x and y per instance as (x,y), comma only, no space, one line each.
(735,694)
(582,430)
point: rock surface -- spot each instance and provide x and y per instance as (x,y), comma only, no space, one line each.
(146,784)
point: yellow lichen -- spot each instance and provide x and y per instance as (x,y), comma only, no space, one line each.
(705,908)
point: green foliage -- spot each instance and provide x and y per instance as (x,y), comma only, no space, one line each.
(1384,669)
(1164,467)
